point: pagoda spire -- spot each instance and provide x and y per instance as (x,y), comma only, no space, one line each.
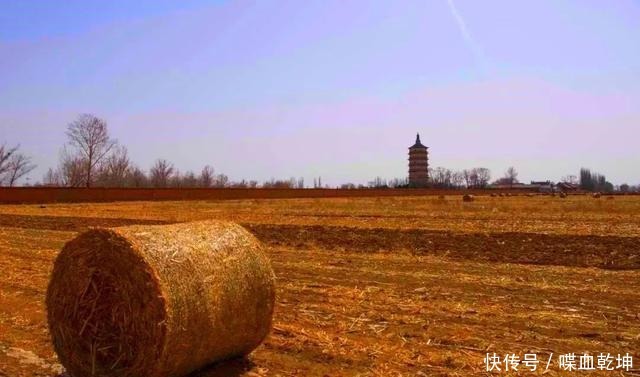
(418,138)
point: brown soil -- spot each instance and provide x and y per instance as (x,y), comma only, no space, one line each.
(376,287)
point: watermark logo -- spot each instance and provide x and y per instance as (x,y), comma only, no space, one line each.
(529,362)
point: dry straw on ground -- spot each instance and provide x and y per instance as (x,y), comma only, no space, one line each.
(159,300)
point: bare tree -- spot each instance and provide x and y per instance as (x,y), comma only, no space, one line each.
(160,173)
(89,135)
(176,179)
(115,168)
(469,177)
(241,184)
(136,177)
(221,180)
(457,179)
(511,176)
(5,155)
(52,178)
(476,177)
(18,166)
(189,179)
(280,183)
(393,183)
(378,182)
(73,170)
(441,177)
(483,175)
(206,176)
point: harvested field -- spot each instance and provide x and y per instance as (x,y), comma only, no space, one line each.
(25,195)
(379,286)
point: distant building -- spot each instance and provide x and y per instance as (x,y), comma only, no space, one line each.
(538,186)
(418,164)
(566,186)
(543,186)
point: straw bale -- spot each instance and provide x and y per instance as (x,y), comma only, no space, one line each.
(468,198)
(159,300)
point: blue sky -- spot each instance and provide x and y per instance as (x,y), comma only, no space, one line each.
(337,89)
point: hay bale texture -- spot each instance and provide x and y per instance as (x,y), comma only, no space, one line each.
(468,198)
(159,300)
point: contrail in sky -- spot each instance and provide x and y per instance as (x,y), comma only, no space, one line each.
(465,34)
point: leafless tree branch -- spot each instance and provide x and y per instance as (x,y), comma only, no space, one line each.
(160,173)
(89,135)
(18,166)
(5,155)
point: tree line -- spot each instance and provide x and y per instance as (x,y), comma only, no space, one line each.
(91,158)
(592,181)
(444,178)
(439,177)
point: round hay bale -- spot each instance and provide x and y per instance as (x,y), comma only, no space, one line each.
(441,197)
(468,198)
(493,195)
(159,300)
(563,195)
(596,195)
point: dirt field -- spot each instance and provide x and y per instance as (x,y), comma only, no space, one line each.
(381,286)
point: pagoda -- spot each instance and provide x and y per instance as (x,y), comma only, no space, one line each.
(418,164)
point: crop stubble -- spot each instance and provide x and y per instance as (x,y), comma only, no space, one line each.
(361,290)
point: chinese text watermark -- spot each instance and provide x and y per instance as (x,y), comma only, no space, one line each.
(529,362)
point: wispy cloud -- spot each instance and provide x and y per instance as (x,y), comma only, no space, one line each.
(473,46)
